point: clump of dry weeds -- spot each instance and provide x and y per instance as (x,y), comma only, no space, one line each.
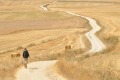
(78,71)
(8,66)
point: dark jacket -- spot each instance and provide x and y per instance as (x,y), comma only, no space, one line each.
(25,54)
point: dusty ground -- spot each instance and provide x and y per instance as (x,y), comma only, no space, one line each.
(101,66)
(47,33)
(43,33)
(107,13)
(39,70)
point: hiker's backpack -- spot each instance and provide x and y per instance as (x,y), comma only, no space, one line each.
(25,54)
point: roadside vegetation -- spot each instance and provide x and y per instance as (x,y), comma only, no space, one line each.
(111,43)
(93,67)
(101,66)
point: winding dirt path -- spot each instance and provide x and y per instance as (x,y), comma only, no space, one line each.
(39,70)
(96,43)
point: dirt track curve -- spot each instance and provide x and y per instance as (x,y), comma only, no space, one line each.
(40,70)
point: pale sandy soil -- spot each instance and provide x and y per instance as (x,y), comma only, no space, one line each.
(36,75)
(45,42)
(38,20)
(96,44)
(41,73)
(43,33)
(101,66)
(22,15)
(107,14)
(47,37)
(39,70)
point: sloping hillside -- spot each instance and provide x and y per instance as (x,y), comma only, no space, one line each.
(103,65)
(107,14)
(47,33)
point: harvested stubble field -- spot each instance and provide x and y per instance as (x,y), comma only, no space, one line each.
(45,34)
(103,65)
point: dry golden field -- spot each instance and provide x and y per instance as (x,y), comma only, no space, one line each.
(107,13)
(46,33)
(100,66)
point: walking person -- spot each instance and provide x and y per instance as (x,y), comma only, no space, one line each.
(25,56)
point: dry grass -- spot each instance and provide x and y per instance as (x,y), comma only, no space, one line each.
(106,13)
(38,50)
(73,71)
(27,23)
(48,46)
(53,20)
(99,66)
(111,43)
(90,68)
(8,66)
